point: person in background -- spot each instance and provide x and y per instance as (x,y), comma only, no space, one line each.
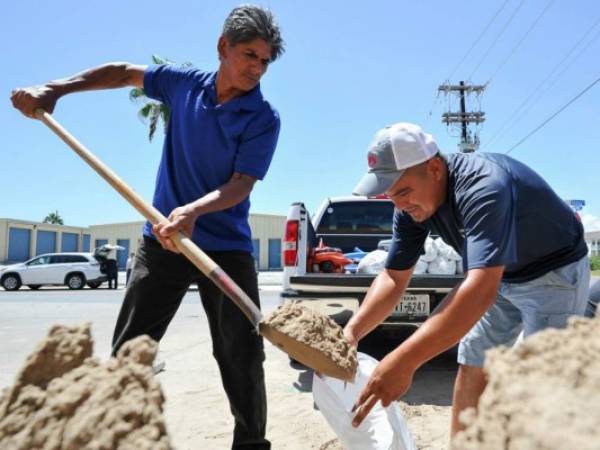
(112,273)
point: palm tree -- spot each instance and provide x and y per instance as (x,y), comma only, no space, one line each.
(54,218)
(153,111)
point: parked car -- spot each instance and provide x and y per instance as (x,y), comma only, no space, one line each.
(74,270)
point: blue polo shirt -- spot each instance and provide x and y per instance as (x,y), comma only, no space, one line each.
(498,212)
(205,144)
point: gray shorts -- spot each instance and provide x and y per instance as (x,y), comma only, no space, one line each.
(547,301)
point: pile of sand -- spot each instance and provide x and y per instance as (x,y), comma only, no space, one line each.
(543,394)
(65,399)
(317,331)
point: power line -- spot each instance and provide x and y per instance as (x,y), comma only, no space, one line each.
(553,115)
(437,96)
(510,19)
(477,40)
(515,48)
(524,107)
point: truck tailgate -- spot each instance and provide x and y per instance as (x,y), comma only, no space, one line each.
(359,283)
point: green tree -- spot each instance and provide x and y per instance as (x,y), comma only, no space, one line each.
(153,111)
(54,218)
(595,262)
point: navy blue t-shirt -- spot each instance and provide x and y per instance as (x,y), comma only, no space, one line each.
(498,212)
(205,144)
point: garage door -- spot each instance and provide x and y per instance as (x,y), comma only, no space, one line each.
(100,242)
(69,242)
(45,243)
(19,240)
(122,254)
(86,243)
(274,253)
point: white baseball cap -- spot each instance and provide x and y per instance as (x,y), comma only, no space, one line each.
(394,149)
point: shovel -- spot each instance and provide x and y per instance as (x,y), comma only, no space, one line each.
(299,351)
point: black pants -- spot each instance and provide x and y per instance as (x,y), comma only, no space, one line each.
(158,282)
(112,280)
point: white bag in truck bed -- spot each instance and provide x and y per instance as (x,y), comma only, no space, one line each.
(442,266)
(373,262)
(447,251)
(431,250)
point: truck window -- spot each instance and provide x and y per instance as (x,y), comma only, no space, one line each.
(374,217)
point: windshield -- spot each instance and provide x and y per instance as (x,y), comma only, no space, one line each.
(372,217)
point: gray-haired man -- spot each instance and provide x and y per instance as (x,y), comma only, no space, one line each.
(220,139)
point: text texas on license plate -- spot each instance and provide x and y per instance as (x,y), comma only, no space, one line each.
(413,305)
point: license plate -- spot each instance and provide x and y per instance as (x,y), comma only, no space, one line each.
(413,305)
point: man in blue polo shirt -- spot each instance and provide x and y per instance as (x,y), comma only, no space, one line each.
(524,258)
(220,139)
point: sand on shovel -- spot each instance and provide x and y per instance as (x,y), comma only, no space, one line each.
(317,341)
(63,399)
(541,395)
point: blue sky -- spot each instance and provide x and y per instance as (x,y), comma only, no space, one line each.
(350,68)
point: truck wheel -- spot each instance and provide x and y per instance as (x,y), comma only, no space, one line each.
(11,282)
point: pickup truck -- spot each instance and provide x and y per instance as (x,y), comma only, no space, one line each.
(349,223)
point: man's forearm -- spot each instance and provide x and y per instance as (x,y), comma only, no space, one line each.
(44,96)
(382,297)
(107,76)
(228,195)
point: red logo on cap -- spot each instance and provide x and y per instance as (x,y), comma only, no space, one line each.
(372,160)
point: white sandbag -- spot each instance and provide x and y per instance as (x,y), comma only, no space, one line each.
(373,263)
(384,244)
(430,250)
(382,429)
(459,268)
(420,267)
(446,250)
(442,266)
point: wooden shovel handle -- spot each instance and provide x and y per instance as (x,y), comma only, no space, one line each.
(184,244)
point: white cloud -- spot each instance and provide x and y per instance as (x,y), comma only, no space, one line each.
(590,223)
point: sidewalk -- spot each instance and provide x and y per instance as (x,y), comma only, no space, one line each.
(270,279)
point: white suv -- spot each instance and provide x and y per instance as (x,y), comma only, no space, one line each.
(72,269)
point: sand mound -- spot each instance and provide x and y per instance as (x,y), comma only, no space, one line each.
(333,444)
(541,395)
(315,330)
(64,399)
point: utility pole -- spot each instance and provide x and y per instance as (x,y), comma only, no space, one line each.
(469,141)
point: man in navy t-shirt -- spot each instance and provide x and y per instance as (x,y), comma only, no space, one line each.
(220,139)
(523,249)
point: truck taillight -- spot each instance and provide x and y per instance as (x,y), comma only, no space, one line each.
(290,244)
